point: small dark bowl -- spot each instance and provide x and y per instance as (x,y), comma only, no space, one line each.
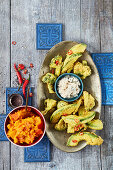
(35,111)
(68,99)
(15,100)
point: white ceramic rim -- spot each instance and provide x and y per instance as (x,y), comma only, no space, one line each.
(31,144)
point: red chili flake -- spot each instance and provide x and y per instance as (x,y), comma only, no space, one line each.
(14,42)
(78,125)
(74,141)
(57,62)
(31,94)
(25,71)
(75,128)
(53,71)
(76,120)
(65,114)
(21,67)
(70,52)
(31,65)
(81,133)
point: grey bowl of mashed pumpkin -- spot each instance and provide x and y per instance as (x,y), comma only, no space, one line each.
(24,128)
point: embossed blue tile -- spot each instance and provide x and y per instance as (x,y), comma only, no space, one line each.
(13,90)
(107,91)
(2,133)
(104,63)
(47,35)
(38,153)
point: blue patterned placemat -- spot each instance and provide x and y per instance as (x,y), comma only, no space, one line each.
(47,35)
(104,63)
(107,91)
(38,153)
(2,133)
(13,90)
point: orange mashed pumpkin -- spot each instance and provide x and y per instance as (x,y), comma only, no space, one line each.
(24,127)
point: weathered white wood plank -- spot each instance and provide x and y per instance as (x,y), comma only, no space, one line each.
(90,35)
(106,30)
(4,73)
(25,14)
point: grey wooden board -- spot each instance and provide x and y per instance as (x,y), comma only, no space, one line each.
(106,34)
(90,36)
(89,21)
(4,73)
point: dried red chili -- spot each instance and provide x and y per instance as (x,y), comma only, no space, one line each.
(18,75)
(21,67)
(14,42)
(24,86)
(53,71)
(78,125)
(76,120)
(31,65)
(70,52)
(74,141)
(76,129)
(65,114)
(25,71)
(81,133)
(57,62)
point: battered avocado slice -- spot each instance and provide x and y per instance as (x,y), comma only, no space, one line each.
(69,62)
(89,101)
(78,127)
(56,63)
(89,137)
(61,104)
(72,56)
(49,105)
(95,124)
(70,129)
(82,111)
(61,125)
(50,88)
(74,119)
(78,102)
(50,79)
(79,48)
(65,110)
(82,70)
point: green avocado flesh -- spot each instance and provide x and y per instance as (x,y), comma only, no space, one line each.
(95,124)
(68,109)
(69,62)
(61,125)
(83,119)
(89,137)
(79,48)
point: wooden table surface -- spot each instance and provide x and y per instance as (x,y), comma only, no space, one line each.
(88,21)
